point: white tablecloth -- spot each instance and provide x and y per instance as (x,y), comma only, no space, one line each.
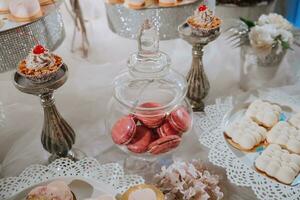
(82,100)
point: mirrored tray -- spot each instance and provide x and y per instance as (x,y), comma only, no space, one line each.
(249,157)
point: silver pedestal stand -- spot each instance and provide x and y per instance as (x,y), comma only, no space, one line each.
(198,84)
(57,135)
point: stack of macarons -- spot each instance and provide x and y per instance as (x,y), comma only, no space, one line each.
(151,130)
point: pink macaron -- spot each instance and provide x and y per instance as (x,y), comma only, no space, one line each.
(151,118)
(164,144)
(141,140)
(180,119)
(123,130)
(166,129)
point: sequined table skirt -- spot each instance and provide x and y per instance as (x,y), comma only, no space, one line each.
(126,22)
(15,43)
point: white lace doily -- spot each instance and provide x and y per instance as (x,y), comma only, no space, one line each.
(211,136)
(111,174)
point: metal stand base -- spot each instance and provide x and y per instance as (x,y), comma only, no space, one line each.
(74,154)
(198,84)
(57,136)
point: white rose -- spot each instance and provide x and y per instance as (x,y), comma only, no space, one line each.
(277,20)
(262,38)
(286,36)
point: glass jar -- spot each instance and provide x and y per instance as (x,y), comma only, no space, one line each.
(148,113)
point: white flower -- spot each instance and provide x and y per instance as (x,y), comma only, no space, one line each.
(265,37)
(187,181)
(286,36)
(277,20)
(262,38)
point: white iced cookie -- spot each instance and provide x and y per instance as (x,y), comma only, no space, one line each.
(264,113)
(295,120)
(58,190)
(286,136)
(279,163)
(246,133)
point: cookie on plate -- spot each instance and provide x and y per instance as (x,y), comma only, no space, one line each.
(286,136)
(58,190)
(278,163)
(295,120)
(264,113)
(246,133)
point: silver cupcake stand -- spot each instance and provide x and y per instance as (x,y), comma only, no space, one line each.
(57,136)
(16,41)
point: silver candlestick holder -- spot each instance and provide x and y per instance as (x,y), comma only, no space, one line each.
(58,136)
(198,84)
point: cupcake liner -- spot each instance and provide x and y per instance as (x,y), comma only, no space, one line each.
(204,32)
(43,78)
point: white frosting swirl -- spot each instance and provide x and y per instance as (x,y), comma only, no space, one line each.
(204,17)
(39,61)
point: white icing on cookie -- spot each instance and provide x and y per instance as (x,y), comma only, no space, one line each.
(279,163)
(286,136)
(246,133)
(264,113)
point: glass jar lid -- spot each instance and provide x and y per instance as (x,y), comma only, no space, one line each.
(149,77)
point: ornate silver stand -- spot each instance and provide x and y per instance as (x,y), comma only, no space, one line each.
(198,84)
(57,135)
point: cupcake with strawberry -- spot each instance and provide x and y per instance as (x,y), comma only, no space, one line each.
(204,22)
(40,65)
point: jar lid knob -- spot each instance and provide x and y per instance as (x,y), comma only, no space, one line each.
(148,39)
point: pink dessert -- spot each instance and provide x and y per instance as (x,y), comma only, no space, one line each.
(141,140)
(166,129)
(164,144)
(180,119)
(151,118)
(57,190)
(123,130)
(153,131)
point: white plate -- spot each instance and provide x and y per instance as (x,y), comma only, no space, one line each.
(81,187)
(248,158)
(87,178)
